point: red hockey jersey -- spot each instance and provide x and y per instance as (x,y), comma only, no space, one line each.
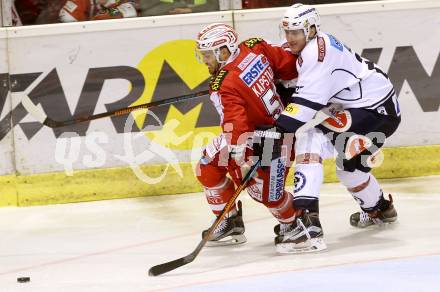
(243,91)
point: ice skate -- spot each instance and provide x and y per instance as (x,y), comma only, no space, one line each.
(385,213)
(302,236)
(229,232)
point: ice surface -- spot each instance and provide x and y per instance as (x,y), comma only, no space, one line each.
(110,245)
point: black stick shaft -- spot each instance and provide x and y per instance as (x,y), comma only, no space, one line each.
(123,111)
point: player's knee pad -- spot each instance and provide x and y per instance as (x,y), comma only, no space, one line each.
(217,196)
(358,152)
(283,209)
(356,145)
(362,186)
(268,186)
(308,178)
(255,189)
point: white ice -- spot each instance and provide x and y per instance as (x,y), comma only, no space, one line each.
(110,245)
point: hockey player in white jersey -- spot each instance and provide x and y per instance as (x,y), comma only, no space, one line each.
(331,73)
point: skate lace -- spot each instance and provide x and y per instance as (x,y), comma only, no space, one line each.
(363,217)
(221,227)
(284,228)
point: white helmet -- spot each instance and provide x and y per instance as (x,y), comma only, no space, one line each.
(300,16)
(215,36)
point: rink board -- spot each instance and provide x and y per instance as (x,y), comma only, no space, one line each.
(116,183)
(93,67)
(6,144)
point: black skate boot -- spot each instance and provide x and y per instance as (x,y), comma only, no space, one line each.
(229,232)
(383,213)
(303,235)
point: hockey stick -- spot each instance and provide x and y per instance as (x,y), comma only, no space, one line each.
(41,116)
(169,266)
(320,116)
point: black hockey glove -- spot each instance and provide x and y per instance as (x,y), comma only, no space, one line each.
(267,143)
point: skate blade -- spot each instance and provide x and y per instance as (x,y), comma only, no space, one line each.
(381,224)
(229,240)
(312,245)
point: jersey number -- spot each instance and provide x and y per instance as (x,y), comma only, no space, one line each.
(272,103)
(370,65)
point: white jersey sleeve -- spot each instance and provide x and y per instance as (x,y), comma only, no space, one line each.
(330,72)
(313,88)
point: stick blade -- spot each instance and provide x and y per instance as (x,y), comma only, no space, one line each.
(169,266)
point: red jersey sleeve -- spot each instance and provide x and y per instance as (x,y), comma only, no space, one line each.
(283,62)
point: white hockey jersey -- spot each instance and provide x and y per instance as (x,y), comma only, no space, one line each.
(330,72)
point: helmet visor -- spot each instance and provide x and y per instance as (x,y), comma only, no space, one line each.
(204,56)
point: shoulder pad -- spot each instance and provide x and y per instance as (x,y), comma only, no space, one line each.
(217,80)
(252,42)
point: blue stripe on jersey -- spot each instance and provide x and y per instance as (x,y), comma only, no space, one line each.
(307,103)
(335,43)
(288,124)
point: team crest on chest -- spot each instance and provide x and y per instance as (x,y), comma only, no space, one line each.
(254,70)
(258,75)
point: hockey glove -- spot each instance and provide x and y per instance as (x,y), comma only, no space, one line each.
(238,153)
(267,143)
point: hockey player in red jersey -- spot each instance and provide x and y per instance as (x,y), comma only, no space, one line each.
(242,90)
(83,10)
